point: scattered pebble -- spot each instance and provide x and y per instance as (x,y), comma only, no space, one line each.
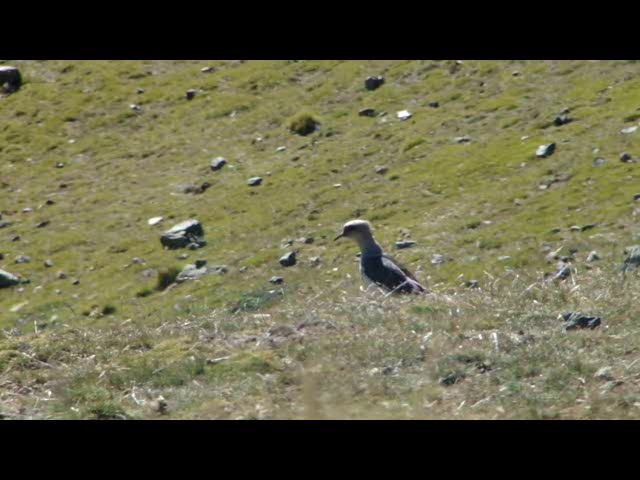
(288,259)
(404,114)
(190,94)
(544,151)
(276,280)
(405,244)
(254,181)
(155,220)
(367,112)
(371,83)
(627,131)
(625,157)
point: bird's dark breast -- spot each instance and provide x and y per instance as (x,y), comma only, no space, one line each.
(376,271)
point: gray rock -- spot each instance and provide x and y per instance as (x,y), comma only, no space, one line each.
(48,263)
(405,244)
(371,83)
(604,373)
(42,224)
(254,181)
(562,120)
(315,260)
(565,110)
(563,271)
(625,157)
(59,165)
(288,259)
(597,162)
(15,238)
(139,90)
(8,279)
(438,259)
(191,272)
(464,139)
(544,151)
(575,321)
(4,224)
(183,234)
(433,104)
(627,131)
(22,259)
(75,282)
(381,170)
(281,149)
(135,107)
(61,275)
(191,94)
(10,79)
(206,69)
(276,280)
(633,257)
(49,202)
(593,256)
(472,284)
(588,226)
(404,114)
(154,220)
(367,112)
(217,163)
(504,258)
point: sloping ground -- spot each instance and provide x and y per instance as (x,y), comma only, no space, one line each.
(86,349)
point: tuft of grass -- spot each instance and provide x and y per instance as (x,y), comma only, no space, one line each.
(303,123)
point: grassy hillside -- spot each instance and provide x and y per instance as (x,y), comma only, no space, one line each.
(316,346)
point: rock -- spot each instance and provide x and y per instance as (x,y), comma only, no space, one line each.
(464,139)
(276,280)
(288,259)
(154,220)
(191,272)
(191,94)
(471,284)
(605,373)
(633,257)
(371,83)
(281,149)
(314,260)
(42,224)
(10,79)
(59,165)
(563,271)
(627,131)
(504,258)
(8,279)
(562,120)
(405,244)
(183,234)
(588,226)
(75,282)
(306,240)
(381,170)
(206,69)
(4,224)
(138,261)
(565,110)
(61,275)
(593,256)
(438,259)
(636,196)
(15,238)
(48,263)
(22,259)
(597,162)
(254,181)
(337,185)
(367,112)
(575,321)
(575,228)
(433,104)
(625,157)
(404,114)
(135,107)
(515,73)
(49,202)
(544,151)
(139,90)
(217,163)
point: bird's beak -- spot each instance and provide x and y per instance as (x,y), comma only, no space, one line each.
(339,236)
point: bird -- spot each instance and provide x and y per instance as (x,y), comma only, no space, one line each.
(376,267)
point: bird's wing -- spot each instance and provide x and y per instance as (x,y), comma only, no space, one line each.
(392,263)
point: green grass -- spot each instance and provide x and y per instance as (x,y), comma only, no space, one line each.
(122,167)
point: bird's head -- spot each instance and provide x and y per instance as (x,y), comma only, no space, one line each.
(356,229)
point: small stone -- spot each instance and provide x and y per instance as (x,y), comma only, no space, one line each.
(593,256)
(544,151)
(381,170)
(597,162)
(515,73)
(62,275)
(75,282)
(315,260)
(217,163)
(183,256)
(405,244)
(605,373)
(154,220)
(464,139)
(58,291)
(565,110)
(22,259)
(8,279)
(49,202)
(281,149)
(206,69)
(367,112)
(191,94)
(588,226)
(438,259)
(562,120)
(16,238)
(337,185)
(59,165)
(433,104)
(404,114)
(254,181)
(183,234)
(288,259)
(504,258)
(625,157)
(135,107)
(471,284)
(139,90)
(636,196)
(276,280)
(371,83)
(48,263)
(627,131)
(4,224)
(10,79)
(27,210)
(42,224)
(137,260)
(575,321)
(575,228)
